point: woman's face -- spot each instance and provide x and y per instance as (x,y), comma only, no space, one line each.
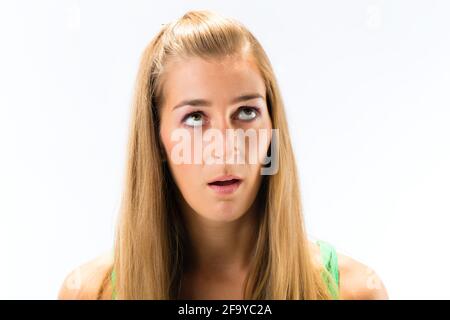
(202,131)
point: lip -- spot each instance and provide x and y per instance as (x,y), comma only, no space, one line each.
(228,188)
(225,178)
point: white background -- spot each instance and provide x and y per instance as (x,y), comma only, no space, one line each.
(366,87)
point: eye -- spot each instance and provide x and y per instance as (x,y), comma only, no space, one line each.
(194,119)
(248,113)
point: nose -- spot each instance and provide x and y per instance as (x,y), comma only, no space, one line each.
(228,146)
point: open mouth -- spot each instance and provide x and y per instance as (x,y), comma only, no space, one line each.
(225,183)
(226,186)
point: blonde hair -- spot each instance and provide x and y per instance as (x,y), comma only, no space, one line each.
(150,236)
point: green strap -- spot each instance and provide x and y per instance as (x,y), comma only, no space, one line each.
(330,261)
(113,281)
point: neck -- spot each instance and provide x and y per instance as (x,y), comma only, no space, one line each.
(220,247)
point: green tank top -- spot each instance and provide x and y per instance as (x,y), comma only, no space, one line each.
(329,258)
(113,283)
(330,261)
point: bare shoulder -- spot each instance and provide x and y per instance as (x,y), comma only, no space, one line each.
(357,281)
(85,281)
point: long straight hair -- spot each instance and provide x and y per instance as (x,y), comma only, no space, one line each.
(150,236)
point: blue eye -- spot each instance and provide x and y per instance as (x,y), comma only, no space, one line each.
(194,119)
(197,118)
(248,113)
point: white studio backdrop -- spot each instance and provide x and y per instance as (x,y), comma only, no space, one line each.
(366,88)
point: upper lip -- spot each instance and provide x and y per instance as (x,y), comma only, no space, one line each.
(225,178)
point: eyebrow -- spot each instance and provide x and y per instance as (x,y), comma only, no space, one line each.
(206,103)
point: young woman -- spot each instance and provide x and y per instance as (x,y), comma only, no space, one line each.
(213,230)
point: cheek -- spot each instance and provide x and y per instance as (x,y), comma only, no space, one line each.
(187,176)
(257,148)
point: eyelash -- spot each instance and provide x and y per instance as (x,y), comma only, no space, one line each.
(255,109)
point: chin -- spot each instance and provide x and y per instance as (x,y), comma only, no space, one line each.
(224,212)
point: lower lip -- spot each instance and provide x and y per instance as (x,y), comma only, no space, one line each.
(228,189)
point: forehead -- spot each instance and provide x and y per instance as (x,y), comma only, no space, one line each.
(216,79)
